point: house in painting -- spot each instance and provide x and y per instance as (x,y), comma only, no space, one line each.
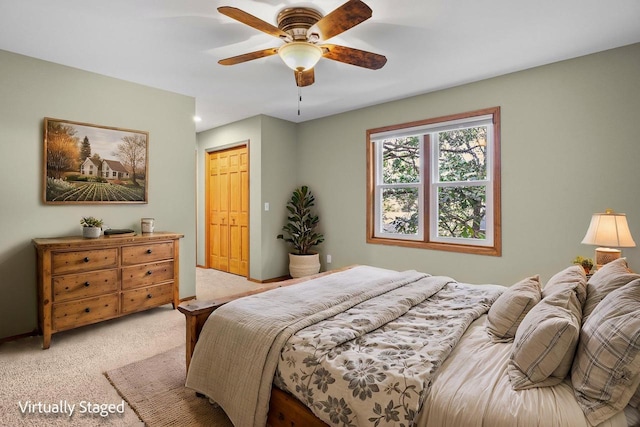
(109,169)
(90,167)
(113,169)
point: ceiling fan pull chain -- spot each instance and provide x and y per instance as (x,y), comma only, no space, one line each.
(299,90)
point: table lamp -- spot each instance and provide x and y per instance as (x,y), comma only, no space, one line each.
(608,230)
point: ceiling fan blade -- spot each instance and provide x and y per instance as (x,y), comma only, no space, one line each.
(248,56)
(352,56)
(304,78)
(341,19)
(252,21)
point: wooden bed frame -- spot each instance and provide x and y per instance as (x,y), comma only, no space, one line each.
(284,409)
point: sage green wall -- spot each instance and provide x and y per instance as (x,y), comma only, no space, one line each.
(570,147)
(279,165)
(272,171)
(32,89)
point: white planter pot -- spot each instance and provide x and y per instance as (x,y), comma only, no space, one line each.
(303,265)
(91,232)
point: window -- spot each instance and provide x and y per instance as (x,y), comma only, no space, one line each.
(436,183)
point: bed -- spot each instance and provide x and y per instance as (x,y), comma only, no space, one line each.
(372,346)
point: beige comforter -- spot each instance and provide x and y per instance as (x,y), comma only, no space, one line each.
(472,389)
(238,350)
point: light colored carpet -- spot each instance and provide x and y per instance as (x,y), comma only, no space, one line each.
(155,389)
(71,371)
(220,284)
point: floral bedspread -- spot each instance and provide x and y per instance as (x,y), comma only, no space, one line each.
(358,368)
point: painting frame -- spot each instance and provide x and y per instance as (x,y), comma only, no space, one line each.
(85,163)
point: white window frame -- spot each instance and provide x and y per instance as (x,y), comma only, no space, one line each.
(436,184)
(381,186)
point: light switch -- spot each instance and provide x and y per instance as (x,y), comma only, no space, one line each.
(266,206)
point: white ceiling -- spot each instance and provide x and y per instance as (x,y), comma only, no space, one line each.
(430,45)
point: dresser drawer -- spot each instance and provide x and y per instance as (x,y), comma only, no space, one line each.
(151,252)
(78,261)
(145,275)
(74,286)
(147,297)
(68,315)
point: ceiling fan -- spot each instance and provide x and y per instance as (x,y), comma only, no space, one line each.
(304,31)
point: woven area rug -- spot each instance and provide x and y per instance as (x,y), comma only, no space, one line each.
(154,388)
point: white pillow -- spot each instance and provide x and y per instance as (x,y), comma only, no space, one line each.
(507,312)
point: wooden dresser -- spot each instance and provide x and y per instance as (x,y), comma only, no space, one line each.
(83,281)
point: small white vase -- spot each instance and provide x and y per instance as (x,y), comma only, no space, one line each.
(91,232)
(303,265)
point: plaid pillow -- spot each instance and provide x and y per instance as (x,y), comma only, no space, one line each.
(610,277)
(507,312)
(570,276)
(606,369)
(546,340)
(635,399)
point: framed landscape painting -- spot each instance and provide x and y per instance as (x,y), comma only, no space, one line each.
(91,164)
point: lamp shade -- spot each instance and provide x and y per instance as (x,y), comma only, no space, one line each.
(609,229)
(300,56)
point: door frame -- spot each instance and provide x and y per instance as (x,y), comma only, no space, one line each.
(207,202)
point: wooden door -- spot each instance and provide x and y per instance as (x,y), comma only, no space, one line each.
(228,210)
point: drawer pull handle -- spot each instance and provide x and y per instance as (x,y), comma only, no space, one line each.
(86,284)
(149,296)
(149,273)
(86,259)
(87,310)
(149,251)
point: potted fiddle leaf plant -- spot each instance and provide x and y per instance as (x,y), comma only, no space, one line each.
(300,232)
(91,227)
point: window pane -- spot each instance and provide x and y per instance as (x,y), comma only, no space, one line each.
(462,212)
(463,154)
(401,160)
(400,211)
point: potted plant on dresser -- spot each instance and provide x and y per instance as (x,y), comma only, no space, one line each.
(300,231)
(91,227)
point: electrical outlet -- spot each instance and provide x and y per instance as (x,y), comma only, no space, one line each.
(328,259)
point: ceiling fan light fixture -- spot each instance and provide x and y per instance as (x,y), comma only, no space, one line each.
(300,56)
